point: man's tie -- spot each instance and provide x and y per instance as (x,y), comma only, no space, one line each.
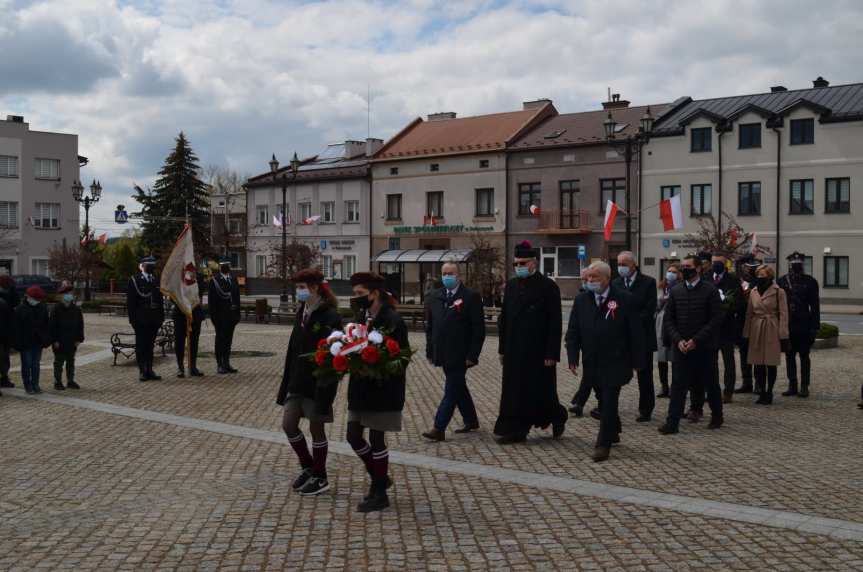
(628,283)
(449,298)
(599,300)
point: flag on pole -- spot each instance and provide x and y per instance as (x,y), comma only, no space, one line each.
(312,219)
(180,277)
(103,238)
(754,243)
(277,220)
(671,213)
(534,210)
(610,214)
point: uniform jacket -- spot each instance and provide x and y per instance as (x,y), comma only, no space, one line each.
(297,378)
(31,327)
(766,325)
(610,339)
(643,291)
(144,301)
(733,307)
(454,333)
(67,327)
(388,395)
(224,299)
(804,306)
(693,314)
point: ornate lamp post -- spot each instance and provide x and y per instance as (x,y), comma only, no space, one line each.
(274,167)
(87,201)
(631,144)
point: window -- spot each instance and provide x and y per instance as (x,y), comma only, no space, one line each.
(47,168)
(485,202)
(39,266)
(483,163)
(750,135)
(305,211)
(802,131)
(394,207)
(235,226)
(802,196)
(434,167)
(569,203)
(836,272)
(262,215)
(394,243)
(434,204)
(8,214)
(327,263)
(838,195)
(668,191)
(235,260)
(612,190)
(568,263)
(260,265)
(47,215)
(8,166)
(394,170)
(528,194)
(702,200)
(352,211)
(701,139)
(749,199)
(328,212)
(350,265)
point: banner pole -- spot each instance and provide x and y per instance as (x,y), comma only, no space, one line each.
(189,339)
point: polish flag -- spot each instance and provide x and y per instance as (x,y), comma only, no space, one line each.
(610,214)
(103,238)
(754,243)
(312,219)
(534,210)
(671,213)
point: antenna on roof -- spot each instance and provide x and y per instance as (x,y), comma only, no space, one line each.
(368,110)
(609,94)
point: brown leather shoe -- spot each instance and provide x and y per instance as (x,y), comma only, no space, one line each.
(435,435)
(601,454)
(468,428)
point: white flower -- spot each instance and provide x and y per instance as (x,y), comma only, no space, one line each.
(376,337)
(335,336)
(336,348)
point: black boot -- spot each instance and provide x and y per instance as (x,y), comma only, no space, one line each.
(792,388)
(6,382)
(220,361)
(58,385)
(768,400)
(73,385)
(378,499)
(804,390)
(745,388)
(150,373)
(228,367)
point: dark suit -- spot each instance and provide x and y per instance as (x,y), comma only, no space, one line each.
(804,320)
(455,332)
(223,299)
(146,313)
(609,340)
(643,291)
(734,312)
(180,333)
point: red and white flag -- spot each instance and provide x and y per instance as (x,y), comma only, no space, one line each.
(179,277)
(610,214)
(312,219)
(671,213)
(754,243)
(535,210)
(103,238)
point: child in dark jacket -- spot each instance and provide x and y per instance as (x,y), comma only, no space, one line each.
(32,334)
(67,333)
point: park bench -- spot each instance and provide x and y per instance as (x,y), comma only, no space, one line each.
(123,343)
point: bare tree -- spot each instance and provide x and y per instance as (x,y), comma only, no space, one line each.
(73,263)
(732,241)
(298,256)
(485,269)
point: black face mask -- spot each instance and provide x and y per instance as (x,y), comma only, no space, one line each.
(688,273)
(225,269)
(361,302)
(718,268)
(797,268)
(149,268)
(763,282)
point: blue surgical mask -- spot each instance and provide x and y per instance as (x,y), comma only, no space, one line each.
(68,298)
(32,301)
(624,271)
(594,287)
(449,281)
(671,278)
(522,271)
(303,294)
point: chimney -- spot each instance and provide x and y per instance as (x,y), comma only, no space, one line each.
(15,118)
(820,82)
(441,116)
(535,104)
(778,89)
(354,148)
(615,103)
(373,146)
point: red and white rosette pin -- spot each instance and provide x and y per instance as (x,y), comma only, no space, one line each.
(612,309)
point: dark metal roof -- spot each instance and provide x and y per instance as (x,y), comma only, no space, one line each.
(833,104)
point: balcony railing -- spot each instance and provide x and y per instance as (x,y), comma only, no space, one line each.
(565,221)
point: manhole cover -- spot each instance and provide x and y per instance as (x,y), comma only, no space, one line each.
(241,353)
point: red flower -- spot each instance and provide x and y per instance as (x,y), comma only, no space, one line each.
(370,355)
(340,363)
(392,346)
(321,357)
(322,343)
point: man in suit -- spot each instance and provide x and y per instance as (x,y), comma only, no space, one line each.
(643,290)
(606,334)
(734,312)
(693,316)
(146,313)
(223,298)
(455,332)
(804,320)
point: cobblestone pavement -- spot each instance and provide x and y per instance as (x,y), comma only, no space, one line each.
(83,489)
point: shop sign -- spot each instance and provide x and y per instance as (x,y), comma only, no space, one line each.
(441,229)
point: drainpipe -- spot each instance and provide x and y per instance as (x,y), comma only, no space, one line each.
(720,131)
(640,203)
(778,190)
(371,220)
(506,216)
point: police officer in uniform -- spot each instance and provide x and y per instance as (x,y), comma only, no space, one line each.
(804,319)
(146,314)
(224,302)
(180,327)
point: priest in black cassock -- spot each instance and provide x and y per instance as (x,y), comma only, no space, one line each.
(529,333)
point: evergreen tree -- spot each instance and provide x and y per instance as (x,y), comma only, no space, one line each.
(164,208)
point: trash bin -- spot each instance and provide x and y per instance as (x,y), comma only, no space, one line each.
(262,310)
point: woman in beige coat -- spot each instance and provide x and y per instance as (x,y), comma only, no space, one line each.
(766,329)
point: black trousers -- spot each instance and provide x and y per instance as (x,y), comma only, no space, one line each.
(4,360)
(609,419)
(800,346)
(145,338)
(694,371)
(729,368)
(745,368)
(180,341)
(582,394)
(646,389)
(224,339)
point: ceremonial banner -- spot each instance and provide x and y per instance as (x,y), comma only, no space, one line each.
(179,277)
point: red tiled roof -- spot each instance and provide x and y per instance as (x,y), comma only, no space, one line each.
(465,135)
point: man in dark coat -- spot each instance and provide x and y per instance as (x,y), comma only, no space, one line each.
(734,312)
(607,332)
(804,320)
(146,314)
(529,332)
(67,333)
(693,317)
(8,301)
(181,325)
(644,295)
(224,301)
(455,332)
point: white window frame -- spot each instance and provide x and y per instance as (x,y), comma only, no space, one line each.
(305,210)
(9,214)
(350,265)
(48,169)
(40,259)
(327,266)
(262,215)
(9,166)
(352,211)
(328,212)
(261,265)
(52,210)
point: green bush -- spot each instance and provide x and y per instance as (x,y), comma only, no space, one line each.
(827,331)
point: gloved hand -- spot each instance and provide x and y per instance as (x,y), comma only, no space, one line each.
(785,345)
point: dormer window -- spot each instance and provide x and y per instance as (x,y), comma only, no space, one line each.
(701,139)
(802,131)
(749,135)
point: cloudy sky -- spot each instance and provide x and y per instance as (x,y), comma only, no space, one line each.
(246,78)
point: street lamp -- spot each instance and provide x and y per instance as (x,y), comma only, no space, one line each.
(87,201)
(294,167)
(630,144)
